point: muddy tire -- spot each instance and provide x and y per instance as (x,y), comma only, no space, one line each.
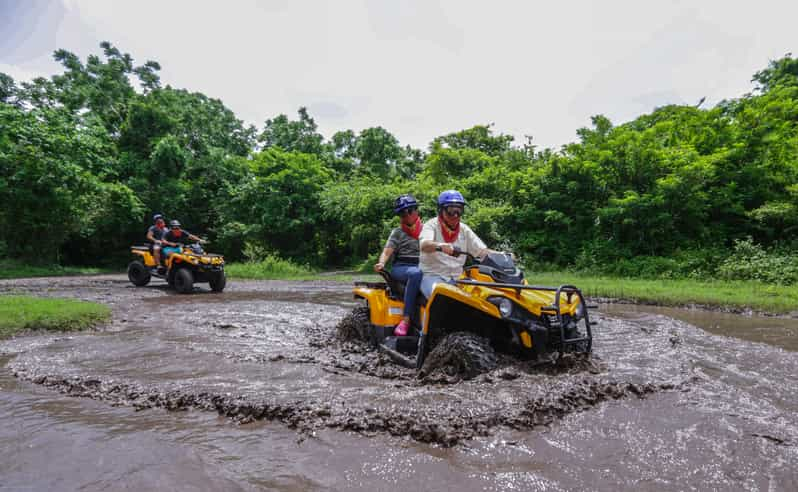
(218,281)
(138,274)
(356,325)
(460,354)
(184,280)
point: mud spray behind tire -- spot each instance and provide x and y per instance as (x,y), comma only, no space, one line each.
(355,325)
(460,354)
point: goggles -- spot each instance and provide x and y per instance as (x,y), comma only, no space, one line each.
(407,211)
(453,211)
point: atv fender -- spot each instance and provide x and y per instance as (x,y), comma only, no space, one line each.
(384,311)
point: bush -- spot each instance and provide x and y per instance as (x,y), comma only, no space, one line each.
(270,267)
(750,261)
(599,258)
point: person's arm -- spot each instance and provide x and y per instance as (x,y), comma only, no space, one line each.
(192,237)
(386,254)
(427,243)
(475,246)
(484,252)
(150,237)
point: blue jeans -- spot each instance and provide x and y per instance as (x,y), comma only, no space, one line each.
(411,274)
(429,280)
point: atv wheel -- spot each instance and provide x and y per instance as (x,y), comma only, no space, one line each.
(461,354)
(184,281)
(218,281)
(138,274)
(356,325)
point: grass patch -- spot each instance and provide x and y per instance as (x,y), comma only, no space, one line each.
(15,269)
(270,268)
(731,294)
(19,313)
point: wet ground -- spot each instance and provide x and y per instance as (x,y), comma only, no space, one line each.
(249,389)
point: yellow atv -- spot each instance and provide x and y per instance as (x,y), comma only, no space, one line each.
(489,307)
(181,270)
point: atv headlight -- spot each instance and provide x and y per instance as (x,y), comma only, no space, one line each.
(505,305)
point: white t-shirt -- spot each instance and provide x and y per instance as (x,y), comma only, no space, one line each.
(439,262)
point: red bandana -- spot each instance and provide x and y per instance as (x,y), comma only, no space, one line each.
(414,231)
(449,235)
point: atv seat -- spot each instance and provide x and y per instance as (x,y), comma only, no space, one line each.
(396,289)
(140,248)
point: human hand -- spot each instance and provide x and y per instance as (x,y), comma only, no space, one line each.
(446,248)
(379,266)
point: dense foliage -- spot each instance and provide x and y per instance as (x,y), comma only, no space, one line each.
(88,155)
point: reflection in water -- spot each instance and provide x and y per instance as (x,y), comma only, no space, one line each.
(781,332)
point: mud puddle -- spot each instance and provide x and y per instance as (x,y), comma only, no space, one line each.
(662,405)
(781,332)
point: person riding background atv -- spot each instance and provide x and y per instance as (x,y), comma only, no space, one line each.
(402,246)
(154,235)
(176,238)
(442,238)
(183,266)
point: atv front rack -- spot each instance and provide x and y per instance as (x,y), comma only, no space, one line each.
(565,344)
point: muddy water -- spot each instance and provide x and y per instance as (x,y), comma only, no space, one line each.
(249,390)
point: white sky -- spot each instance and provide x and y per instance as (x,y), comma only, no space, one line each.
(422,68)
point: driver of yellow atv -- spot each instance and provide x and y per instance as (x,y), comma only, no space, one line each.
(441,238)
(176,237)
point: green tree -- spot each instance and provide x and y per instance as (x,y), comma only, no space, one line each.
(292,136)
(378,152)
(278,207)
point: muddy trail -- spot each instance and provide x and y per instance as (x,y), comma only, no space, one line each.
(229,379)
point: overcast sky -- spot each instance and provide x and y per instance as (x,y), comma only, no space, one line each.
(422,68)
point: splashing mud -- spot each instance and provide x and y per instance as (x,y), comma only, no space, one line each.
(279,353)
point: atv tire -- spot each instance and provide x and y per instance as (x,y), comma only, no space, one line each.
(138,274)
(184,281)
(460,354)
(217,281)
(356,325)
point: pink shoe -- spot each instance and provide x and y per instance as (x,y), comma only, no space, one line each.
(401,329)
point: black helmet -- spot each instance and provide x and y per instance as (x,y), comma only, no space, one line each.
(174,223)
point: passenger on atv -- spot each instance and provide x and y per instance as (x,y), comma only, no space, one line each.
(443,239)
(176,238)
(154,235)
(402,246)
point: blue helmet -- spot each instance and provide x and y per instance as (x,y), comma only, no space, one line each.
(404,202)
(156,217)
(450,197)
